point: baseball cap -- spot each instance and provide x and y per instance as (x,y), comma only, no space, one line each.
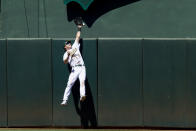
(67,42)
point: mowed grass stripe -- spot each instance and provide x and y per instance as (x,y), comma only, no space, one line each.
(43,129)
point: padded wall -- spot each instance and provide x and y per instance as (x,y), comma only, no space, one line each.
(190,105)
(130,82)
(29,82)
(164,82)
(120,82)
(3,84)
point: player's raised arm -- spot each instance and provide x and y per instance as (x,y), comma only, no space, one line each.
(78,33)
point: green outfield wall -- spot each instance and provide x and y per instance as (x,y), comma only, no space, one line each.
(130,82)
(164,80)
(120,82)
(3,84)
(124,18)
(191,72)
(29,82)
(139,55)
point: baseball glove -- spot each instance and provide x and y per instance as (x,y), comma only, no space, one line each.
(79,21)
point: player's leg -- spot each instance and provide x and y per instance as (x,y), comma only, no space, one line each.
(72,78)
(82,78)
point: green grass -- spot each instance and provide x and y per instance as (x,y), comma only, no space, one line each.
(44,129)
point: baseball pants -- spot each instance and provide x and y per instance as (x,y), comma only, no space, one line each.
(77,72)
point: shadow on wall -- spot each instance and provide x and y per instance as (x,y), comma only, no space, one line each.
(86,110)
(95,10)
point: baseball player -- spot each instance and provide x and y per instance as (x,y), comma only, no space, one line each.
(74,58)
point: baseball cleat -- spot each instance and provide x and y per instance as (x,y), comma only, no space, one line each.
(82,98)
(64,103)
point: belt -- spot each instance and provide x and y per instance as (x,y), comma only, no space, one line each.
(79,65)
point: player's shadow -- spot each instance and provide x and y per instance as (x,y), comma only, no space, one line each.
(85,109)
(95,10)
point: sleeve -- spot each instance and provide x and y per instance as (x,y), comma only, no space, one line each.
(65,56)
(76,45)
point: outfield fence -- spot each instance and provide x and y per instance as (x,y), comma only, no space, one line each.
(131,82)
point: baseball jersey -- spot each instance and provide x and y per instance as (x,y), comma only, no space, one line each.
(75,59)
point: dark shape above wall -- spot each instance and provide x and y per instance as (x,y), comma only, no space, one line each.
(95,10)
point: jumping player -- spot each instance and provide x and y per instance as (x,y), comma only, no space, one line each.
(74,58)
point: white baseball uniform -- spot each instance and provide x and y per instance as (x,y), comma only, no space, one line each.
(78,71)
